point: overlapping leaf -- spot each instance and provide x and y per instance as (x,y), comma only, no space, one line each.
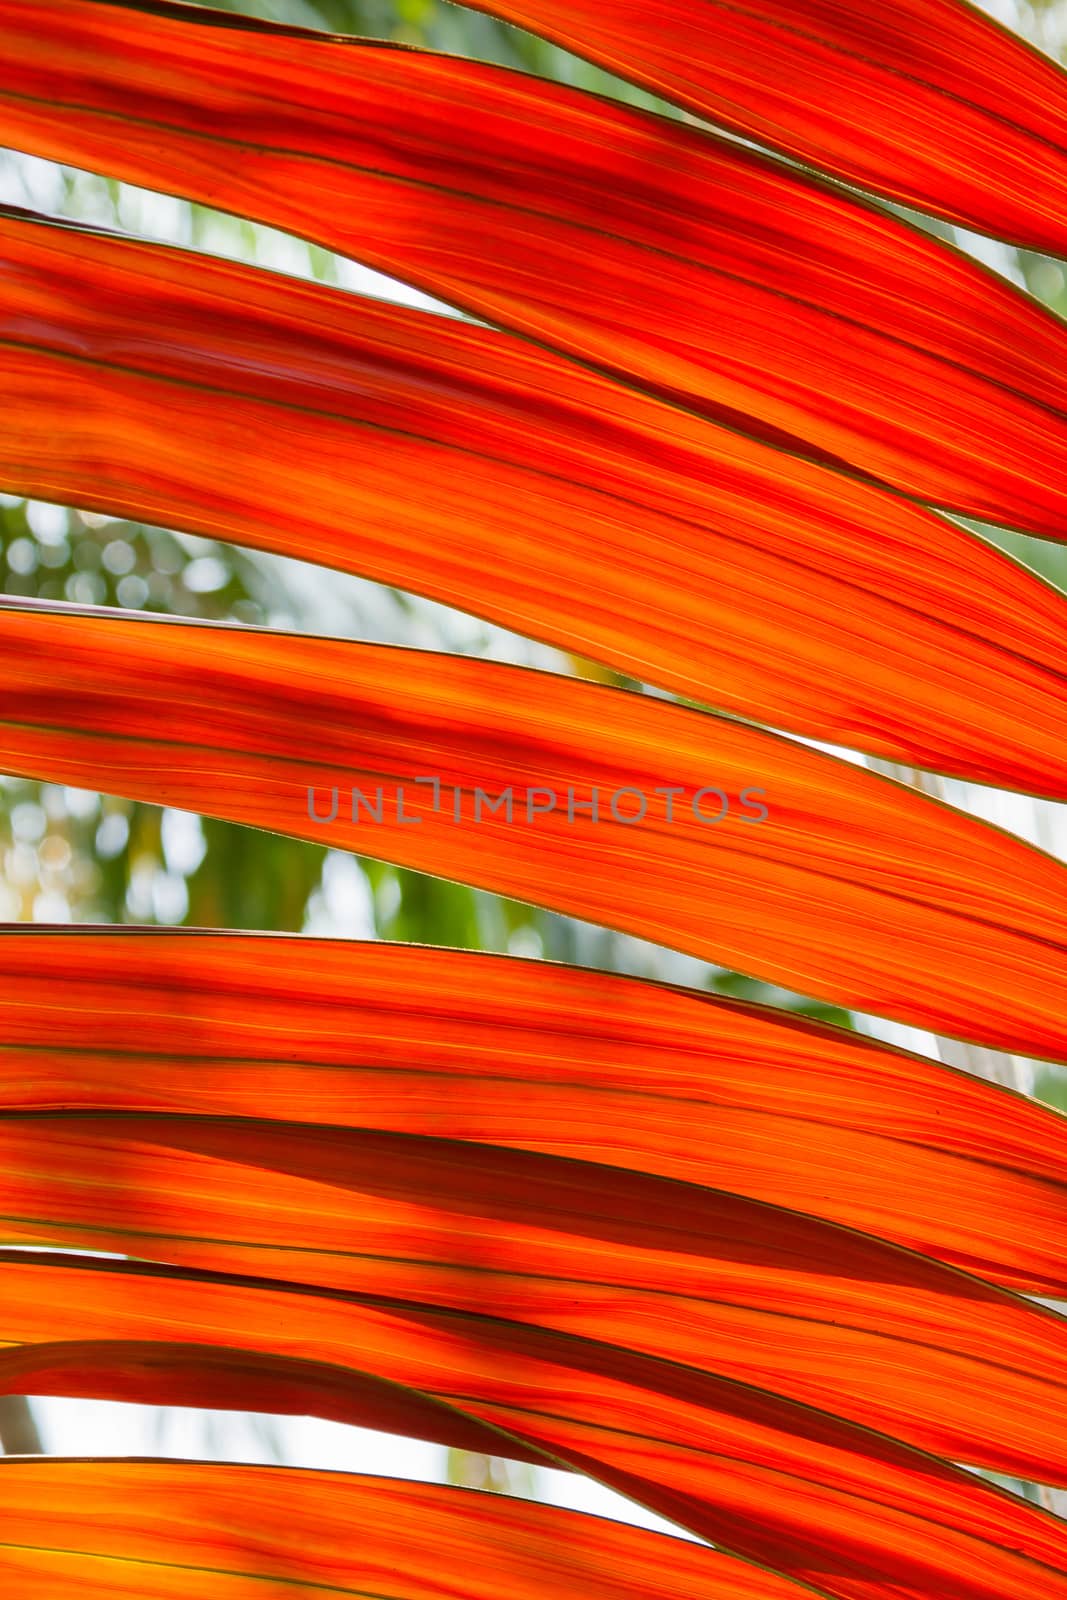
(249,1376)
(853,889)
(679,262)
(452,460)
(756,1293)
(740,1466)
(415,1189)
(926,101)
(170,1529)
(540,1057)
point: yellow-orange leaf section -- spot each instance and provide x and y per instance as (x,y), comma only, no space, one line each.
(677,261)
(853,888)
(546,1057)
(561,505)
(734,1464)
(186,1530)
(926,101)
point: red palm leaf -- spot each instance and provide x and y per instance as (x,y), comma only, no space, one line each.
(851,1511)
(926,101)
(674,261)
(666,1241)
(681,553)
(541,1057)
(171,1530)
(855,889)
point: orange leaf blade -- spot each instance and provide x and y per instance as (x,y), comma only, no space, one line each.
(985,114)
(738,1466)
(631,242)
(189,1529)
(853,888)
(540,1057)
(680,553)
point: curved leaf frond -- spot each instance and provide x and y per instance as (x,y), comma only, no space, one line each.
(928,102)
(853,888)
(716,1281)
(723,282)
(557,1059)
(737,1465)
(182,1530)
(683,554)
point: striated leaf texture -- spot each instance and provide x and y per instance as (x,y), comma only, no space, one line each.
(681,553)
(730,285)
(165,1530)
(852,888)
(928,102)
(747,1469)
(540,1057)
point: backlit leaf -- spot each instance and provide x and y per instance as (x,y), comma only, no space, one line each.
(682,263)
(927,101)
(853,1512)
(539,1057)
(853,889)
(455,461)
(169,1529)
